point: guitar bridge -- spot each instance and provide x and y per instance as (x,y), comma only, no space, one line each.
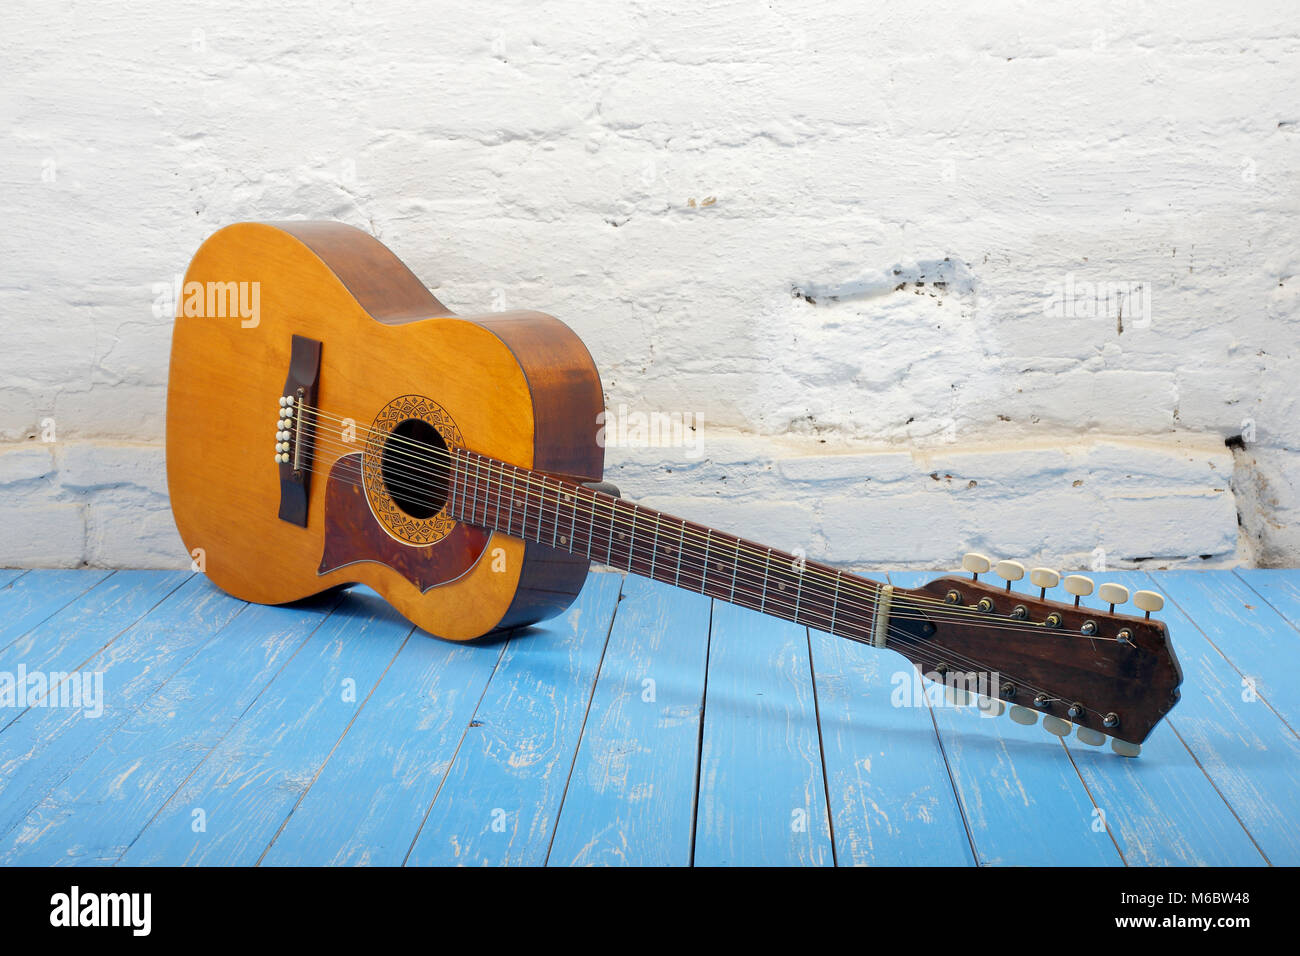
(295,429)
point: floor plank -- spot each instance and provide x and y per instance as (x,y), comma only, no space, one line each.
(1280,587)
(1022,798)
(100,809)
(368,803)
(892,801)
(762,799)
(29,599)
(760,742)
(1161,807)
(9,575)
(1244,747)
(631,797)
(1255,638)
(231,808)
(136,642)
(501,798)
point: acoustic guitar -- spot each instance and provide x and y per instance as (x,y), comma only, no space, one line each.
(330,422)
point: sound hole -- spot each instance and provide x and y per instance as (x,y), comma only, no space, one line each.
(414,468)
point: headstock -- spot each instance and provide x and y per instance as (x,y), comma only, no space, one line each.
(1098,672)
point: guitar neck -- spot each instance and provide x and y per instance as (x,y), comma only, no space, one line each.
(564,514)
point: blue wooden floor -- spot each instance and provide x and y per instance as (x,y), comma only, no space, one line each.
(646,726)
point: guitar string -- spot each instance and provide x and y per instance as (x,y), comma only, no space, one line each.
(902,637)
(971,613)
(650,551)
(949,611)
(441,471)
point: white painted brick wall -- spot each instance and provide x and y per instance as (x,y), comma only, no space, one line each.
(677,182)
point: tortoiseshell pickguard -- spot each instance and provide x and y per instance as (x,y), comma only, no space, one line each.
(353,534)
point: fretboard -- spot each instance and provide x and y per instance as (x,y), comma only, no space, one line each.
(568,516)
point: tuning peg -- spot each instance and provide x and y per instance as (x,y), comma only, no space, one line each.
(1010,571)
(1124,748)
(1079,586)
(1093,738)
(1112,594)
(1148,601)
(976,563)
(1044,578)
(1055,725)
(1023,715)
(990,706)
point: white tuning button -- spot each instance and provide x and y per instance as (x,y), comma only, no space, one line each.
(1093,738)
(1055,725)
(1078,585)
(1148,601)
(1010,571)
(1044,578)
(1124,748)
(1112,594)
(1023,715)
(976,563)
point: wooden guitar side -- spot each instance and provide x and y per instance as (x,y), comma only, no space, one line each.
(521,387)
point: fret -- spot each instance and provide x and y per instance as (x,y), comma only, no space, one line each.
(591,523)
(510,519)
(654,550)
(799,568)
(473,509)
(501,485)
(573,520)
(523,523)
(767,569)
(735,566)
(681,546)
(609,550)
(631,540)
(704,575)
(836,605)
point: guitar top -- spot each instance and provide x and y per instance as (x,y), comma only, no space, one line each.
(330,422)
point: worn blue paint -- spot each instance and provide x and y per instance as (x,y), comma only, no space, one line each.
(28,599)
(1280,587)
(1260,642)
(542,748)
(1161,808)
(235,802)
(502,795)
(136,643)
(1023,799)
(892,803)
(762,798)
(9,575)
(631,796)
(95,814)
(1250,754)
(368,803)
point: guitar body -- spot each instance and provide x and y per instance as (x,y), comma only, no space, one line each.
(332,305)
